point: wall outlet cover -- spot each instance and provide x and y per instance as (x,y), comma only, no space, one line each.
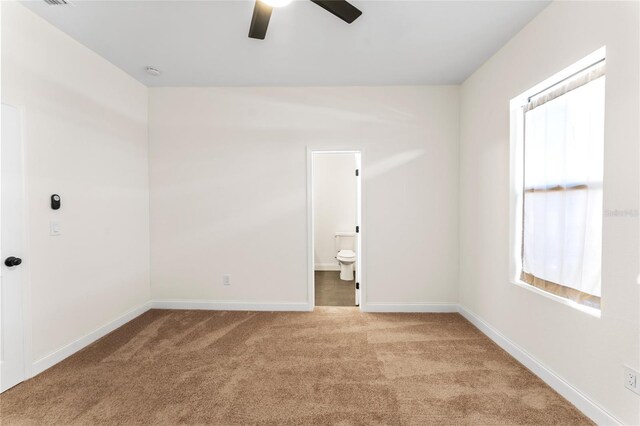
(226,279)
(631,378)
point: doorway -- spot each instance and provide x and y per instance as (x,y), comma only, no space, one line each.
(335,228)
(12,351)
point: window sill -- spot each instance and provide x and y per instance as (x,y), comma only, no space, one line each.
(586,309)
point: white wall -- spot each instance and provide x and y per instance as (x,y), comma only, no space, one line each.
(228,189)
(85,138)
(334,204)
(586,351)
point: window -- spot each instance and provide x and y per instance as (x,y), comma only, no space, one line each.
(559,184)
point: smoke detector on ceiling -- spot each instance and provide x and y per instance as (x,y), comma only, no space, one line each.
(153,71)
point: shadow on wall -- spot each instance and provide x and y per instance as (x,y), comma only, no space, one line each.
(274,208)
(248,221)
(265,107)
(269,211)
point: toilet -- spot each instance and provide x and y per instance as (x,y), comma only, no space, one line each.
(345,246)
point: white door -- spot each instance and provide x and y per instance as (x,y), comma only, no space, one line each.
(11,247)
(358,227)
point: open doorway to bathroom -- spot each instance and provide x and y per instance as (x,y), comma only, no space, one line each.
(336,228)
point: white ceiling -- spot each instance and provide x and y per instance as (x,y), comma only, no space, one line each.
(205,43)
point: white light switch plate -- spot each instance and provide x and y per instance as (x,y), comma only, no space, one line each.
(54,228)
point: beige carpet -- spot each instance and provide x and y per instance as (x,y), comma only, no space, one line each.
(333,366)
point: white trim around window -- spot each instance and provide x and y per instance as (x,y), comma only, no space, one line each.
(517,173)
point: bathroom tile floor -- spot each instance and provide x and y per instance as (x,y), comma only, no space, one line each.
(332,291)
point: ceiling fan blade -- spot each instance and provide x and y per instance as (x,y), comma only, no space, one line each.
(341,8)
(260,20)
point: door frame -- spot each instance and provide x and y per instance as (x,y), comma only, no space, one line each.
(361,252)
(27,347)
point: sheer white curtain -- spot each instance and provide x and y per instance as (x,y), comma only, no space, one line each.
(563,172)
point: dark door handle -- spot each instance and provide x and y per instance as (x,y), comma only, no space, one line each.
(12,261)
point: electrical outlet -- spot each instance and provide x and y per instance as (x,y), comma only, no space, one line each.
(631,380)
(226,279)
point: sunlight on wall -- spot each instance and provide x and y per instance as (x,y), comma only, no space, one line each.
(393,162)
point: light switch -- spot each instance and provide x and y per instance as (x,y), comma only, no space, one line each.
(54,228)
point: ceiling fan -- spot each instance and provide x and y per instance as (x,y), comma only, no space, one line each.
(263,8)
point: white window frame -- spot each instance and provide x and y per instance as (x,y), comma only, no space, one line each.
(516,176)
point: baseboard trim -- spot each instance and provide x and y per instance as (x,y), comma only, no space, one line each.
(410,307)
(229,305)
(55,357)
(326,267)
(556,382)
